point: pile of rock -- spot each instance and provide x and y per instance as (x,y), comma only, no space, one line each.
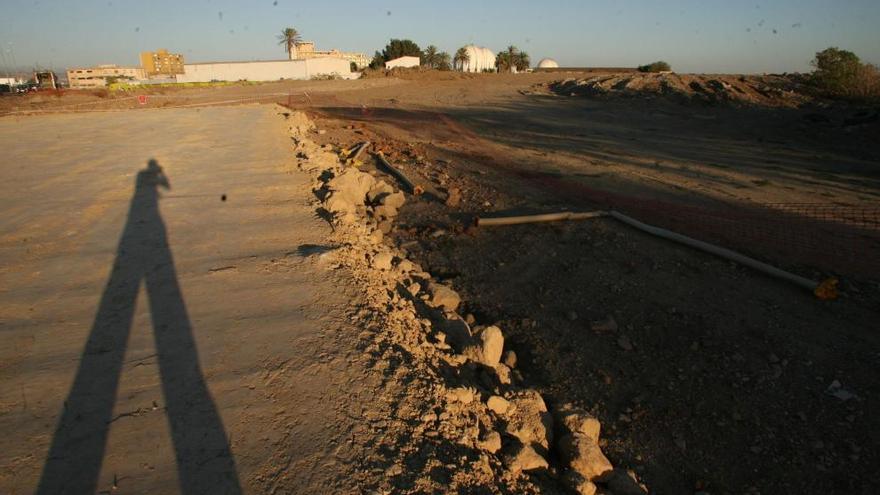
(477,401)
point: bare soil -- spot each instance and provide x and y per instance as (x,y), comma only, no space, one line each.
(711,377)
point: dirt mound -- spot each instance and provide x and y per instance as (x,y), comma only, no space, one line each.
(771,90)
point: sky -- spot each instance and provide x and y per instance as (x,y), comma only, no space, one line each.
(730,36)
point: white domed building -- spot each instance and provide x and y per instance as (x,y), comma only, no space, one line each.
(548,63)
(479,59)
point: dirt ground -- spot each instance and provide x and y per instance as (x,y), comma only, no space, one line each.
(229,369)
(709,376)
(706,376)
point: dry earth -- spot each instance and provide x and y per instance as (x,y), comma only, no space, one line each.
(705,376)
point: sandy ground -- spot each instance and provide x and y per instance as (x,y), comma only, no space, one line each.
(706,376)
(157,338)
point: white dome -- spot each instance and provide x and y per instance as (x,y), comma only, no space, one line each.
(548,63)
(479,59)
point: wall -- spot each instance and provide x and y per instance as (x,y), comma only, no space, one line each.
(271,70)
(405,62)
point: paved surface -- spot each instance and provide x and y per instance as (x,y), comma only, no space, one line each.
(155,337)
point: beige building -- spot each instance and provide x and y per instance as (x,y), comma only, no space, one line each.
(306,50)
(266,70)
(100,76)
(161,63)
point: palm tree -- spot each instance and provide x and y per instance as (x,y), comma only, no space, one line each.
(512,53)
(461,57)
(430,57)
(523,61)
(289,37)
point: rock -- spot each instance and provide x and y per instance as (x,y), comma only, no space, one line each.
(488,348)
(453,198)
(394,200)
(503,373)
(623,482)
(571,419)
(459,336)
(469,318)
(609,324)
(351,186)
(382,261)
(525,459)
(498,404)
(442,296)
(571,316)
(578,483)
(339,205)
(406,266)
(461,394)
(384,211)
(491,443)
(509,359)
(624,343)
(376,236)
(379,190)
(528,419)
(583,455)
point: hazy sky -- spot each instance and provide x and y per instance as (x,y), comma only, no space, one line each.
(694,36)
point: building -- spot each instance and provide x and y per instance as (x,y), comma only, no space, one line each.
(479,59)
(306,50)
(46,79)
(161,63)
(548,63)
(102,75)
(266,70)
(403,62)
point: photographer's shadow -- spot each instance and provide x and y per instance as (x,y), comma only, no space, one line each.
(204,461)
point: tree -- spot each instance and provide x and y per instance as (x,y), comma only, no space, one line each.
(289,37)
(461,57)
(401,48)
(378,61)
(512,59)
(430,57)
(836,69)
(444,61)
(659,66)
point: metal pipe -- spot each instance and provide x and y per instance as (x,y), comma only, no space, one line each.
(546,217)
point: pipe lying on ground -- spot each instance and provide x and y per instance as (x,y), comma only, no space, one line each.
(414,189)
(546,217)
(825,290)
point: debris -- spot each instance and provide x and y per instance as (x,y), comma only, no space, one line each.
(489,346)
(453,197)
(609,324)
(583,455)
(837,390)
(526,459)
(413,189)
(624,343)
(443,297)
(497,404)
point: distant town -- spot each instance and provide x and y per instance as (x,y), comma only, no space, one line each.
(304,61)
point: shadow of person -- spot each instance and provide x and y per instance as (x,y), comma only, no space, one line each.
(204,460)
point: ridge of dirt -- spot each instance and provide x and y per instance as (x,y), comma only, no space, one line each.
(768,90)
(456,417)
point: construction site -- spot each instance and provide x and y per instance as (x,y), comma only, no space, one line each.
(442,283)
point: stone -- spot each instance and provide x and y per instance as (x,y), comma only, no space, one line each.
(382,261)
(339,205)
(503,373)
(528,419)
(525,459)
(351,185)
(442,296)
(376,236)
(498,404)
(491,443)
(509,359)
(394,200)
(609,324)
(583,455)
(488,348)
(571,419)
(623,482)
(384,211)
(453,198)
(624,343)
(578,483)
(571,316)
(461,394)
(380,189)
